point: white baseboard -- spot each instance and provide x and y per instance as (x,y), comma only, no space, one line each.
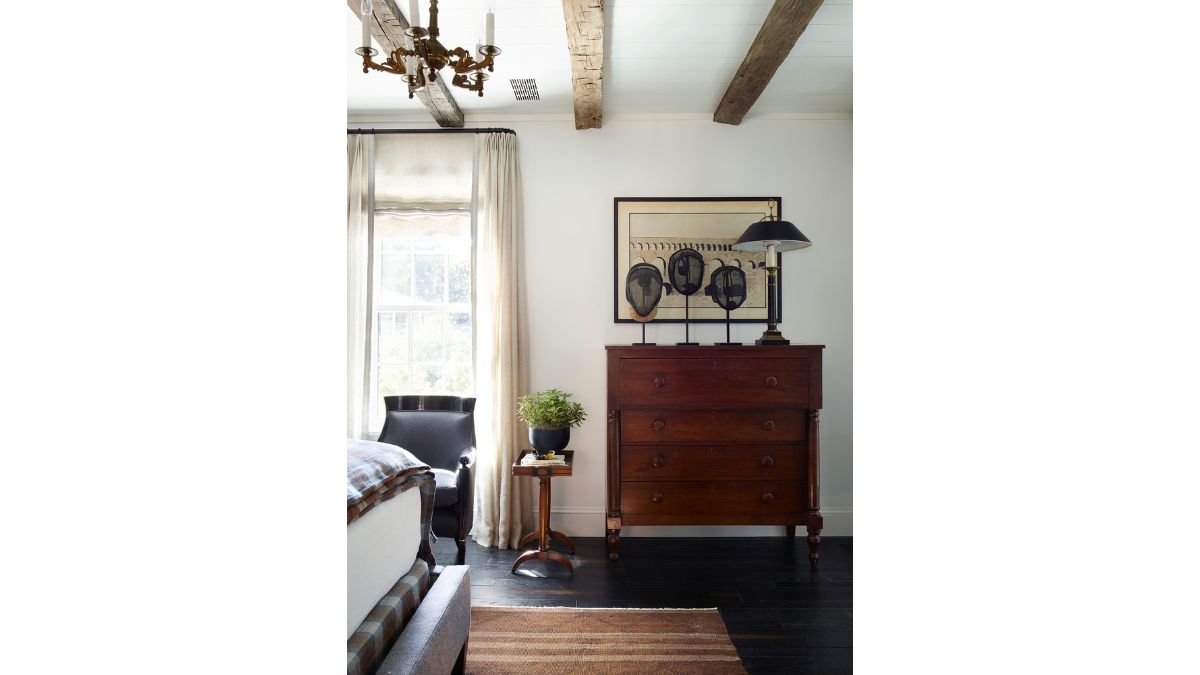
(588,521)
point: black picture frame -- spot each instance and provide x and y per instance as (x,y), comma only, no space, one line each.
(709,223)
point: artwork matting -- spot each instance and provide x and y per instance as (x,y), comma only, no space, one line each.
(650,229)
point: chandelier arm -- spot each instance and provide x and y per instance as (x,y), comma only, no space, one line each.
(394,63)
(466,82)
(466,63)
(368,64)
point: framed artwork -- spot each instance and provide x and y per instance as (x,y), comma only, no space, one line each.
(650,229)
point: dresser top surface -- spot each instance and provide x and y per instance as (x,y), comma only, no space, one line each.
(713,350)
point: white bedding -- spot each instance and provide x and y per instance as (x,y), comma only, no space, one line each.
(381,547)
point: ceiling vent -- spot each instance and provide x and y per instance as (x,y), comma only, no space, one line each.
(525,90)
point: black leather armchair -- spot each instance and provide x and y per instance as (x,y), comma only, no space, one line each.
(440,431)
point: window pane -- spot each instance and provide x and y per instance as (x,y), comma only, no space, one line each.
(392,337)
(460,278)
(390,381)
(452,378)
(429,343)
(457,378)
(431,278)
(458,338)
(395,278)
(428,380)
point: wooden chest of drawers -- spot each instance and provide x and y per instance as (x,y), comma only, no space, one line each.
(714,436)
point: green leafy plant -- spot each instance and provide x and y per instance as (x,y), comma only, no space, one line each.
(550,409)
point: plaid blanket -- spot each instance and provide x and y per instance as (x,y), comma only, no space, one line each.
(376,472)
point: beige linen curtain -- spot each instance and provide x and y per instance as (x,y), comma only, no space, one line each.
(358,279)
(502,348)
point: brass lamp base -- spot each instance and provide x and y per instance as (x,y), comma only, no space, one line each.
(772,337)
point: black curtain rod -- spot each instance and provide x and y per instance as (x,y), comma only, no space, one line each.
(430,131)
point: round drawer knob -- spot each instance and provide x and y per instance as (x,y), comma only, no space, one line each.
(659,382)
(769,425)
(657,497)
(768,460)
(659,424)
(772,381)
(767,498)
(658,461)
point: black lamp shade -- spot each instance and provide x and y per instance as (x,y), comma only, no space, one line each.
(686,270)
(643,288)
(784,235)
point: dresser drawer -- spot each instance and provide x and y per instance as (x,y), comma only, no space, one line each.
(711,497)
(682,425)
(712,462)
(719,382)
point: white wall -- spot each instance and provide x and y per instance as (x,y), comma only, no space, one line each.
(570,179)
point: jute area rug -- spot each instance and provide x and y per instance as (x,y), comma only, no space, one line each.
(532,640)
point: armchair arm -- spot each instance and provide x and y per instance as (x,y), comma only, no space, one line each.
(467,457)
(466,492)
(466,474)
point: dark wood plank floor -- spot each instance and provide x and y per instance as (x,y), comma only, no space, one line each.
(783,616)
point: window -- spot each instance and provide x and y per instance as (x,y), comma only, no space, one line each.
(410,271)
(421,314)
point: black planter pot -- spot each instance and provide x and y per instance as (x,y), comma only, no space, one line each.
(548,440)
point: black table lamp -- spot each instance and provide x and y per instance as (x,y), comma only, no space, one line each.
(771,236)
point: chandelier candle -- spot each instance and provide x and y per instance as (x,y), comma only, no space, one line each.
(414,15)
(366,24)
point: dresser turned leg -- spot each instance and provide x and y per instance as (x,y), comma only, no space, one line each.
(814,544)
(614,544)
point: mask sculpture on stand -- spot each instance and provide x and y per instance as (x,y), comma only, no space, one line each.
(643,291)
(727,288)
(686,270)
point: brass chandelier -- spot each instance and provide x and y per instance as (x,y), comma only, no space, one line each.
(421,64)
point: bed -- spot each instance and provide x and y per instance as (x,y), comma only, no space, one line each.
(400,618)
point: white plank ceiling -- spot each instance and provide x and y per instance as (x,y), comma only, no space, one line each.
(661,56)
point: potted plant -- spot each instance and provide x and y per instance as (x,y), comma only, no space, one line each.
(550,415)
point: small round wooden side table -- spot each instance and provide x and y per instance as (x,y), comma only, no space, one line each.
(544,534)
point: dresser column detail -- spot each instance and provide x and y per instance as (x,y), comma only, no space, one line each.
(612,521)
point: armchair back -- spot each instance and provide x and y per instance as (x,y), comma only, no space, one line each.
(437,437)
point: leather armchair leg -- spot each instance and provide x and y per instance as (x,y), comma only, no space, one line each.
(465,508)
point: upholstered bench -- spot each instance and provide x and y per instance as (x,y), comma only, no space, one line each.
(435,640)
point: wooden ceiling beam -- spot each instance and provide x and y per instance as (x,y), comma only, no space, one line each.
(387,27)
(585,40)
(783,26)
